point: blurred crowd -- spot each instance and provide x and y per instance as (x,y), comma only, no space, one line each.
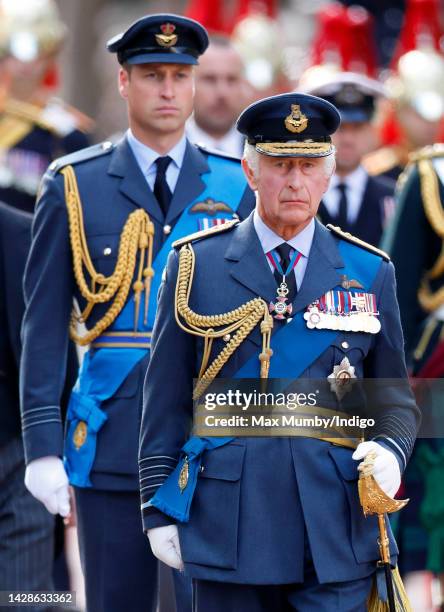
(382,66)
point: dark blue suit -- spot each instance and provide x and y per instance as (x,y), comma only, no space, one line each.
(260,507)
(111,186)
(372,215)
(26,528)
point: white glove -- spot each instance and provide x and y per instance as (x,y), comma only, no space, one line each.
(46,480)
(164,542)
(385,468)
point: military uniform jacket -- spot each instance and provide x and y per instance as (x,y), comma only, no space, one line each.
(415,244)
(258,499)
(30,140)
(15,234)
(375,207)
(111,186)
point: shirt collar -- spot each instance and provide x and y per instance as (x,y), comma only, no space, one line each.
(146,156)
(231,142)
(355,181)
(270,240)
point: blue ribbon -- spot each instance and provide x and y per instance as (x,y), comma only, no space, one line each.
(105,369)
(285,363)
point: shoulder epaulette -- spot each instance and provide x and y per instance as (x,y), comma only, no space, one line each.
(83,155)
(217,152)
(206,233)
(354,240)
(381,161)
(64,118)
(30,113)
(429,152)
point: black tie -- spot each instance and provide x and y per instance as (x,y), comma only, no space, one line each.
(161,189)
(285,251)
(341,218)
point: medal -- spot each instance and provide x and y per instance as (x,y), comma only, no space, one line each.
(183,476)
(80,434)
(279,309)
(341,378)
(344,311)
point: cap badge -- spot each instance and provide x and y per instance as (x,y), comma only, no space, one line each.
(167,38)
(296,121)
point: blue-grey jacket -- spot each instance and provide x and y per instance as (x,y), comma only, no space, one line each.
(111,187)
(258,499)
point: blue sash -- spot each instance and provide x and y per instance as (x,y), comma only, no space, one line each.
(286,362)
(104,369)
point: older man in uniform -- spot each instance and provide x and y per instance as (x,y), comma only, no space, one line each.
(255,530)
(105,222)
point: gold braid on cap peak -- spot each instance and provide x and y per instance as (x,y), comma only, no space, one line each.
(435,214)
(242,320)
(136,237)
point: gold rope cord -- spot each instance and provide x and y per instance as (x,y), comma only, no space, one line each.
(242,320)
(435,215)
(137,236)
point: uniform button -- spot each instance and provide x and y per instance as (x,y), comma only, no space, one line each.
(107,251)
(107,145)
(227,337)
(345,345)
(167,229)
(201,469)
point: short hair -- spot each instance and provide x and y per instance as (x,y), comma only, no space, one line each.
(252,158)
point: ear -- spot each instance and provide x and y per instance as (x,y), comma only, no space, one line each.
(124,78)
(251,177)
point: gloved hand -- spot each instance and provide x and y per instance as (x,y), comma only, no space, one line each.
(164,542)
(385,468)
(46,480)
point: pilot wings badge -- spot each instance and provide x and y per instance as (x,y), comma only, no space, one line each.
(210,207)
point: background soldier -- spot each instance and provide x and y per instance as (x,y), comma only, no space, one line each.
(415,244)
(314,557)
(121,205)
(35,128)
(355,201)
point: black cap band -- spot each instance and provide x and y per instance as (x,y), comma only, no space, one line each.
(126,54)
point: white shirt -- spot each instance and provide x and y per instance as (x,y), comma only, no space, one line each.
(146,158)
(301,242)
(232,142)
(355,184)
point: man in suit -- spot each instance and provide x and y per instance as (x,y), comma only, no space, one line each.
(253,528)
(26,527)
(220,96)
(356,202)
(104,224)
(35,127)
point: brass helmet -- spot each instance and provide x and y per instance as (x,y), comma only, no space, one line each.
(258,39)
(419,82)
(30,28)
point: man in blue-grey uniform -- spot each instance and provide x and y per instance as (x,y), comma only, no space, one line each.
(273,523)
(104,224)
(355,201)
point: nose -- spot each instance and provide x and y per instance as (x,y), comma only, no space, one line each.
(294,177)
(167,89)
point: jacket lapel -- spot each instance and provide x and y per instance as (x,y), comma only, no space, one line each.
(323,268)
(189,183)
(133,184)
